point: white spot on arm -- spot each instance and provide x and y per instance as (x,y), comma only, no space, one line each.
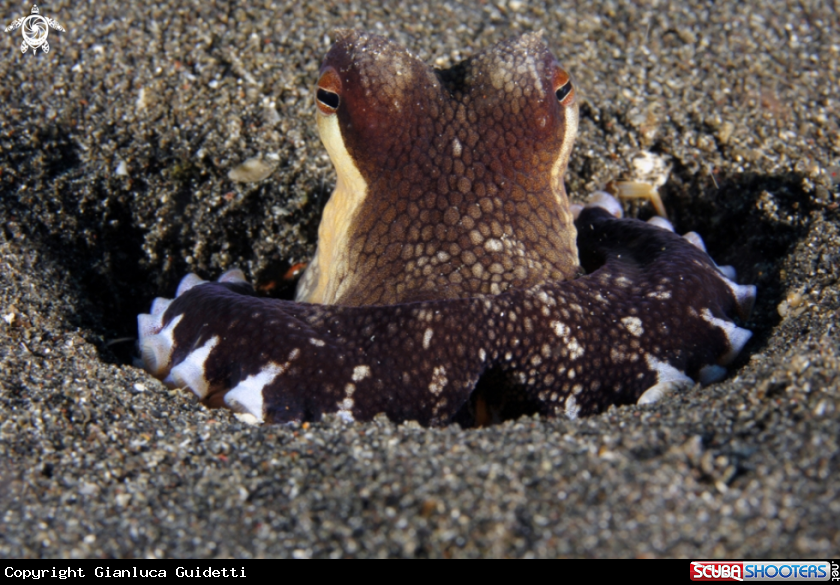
(345,406)
(427,338)
(345,410)
(560,329)
(247,397)
(190,372)
(572,407)
(633,325)
(575,349)
(572,346)
(360,373)
(736,336)
(156,348)
(668,378)
(439,380)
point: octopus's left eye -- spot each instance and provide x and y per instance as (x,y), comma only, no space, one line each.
(564,89)
(328,92)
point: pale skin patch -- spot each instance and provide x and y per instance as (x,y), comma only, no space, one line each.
(331,257)
(190,372)
(156,348)
(345,407)
(736,336)
(427,338)
(559,169)
(247,397)
(439,380)
(575,349)
(668,379)
(560,329)
(572,408)
(633,326)
(360,373)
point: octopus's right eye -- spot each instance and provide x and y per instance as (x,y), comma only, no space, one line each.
(328,100)
(327,95)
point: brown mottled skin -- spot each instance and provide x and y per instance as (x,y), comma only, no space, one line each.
(443,288)
(464,170)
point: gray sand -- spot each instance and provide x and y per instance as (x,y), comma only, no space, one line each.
(115,150)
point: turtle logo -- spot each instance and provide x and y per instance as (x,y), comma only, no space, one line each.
(36,28)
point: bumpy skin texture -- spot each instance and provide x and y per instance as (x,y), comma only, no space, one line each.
(463,170)
(654,311)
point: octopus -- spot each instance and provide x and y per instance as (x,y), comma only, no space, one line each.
(453,281)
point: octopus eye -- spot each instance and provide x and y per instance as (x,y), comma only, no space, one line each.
(564,88)
(328,99)
(327,95)
(563,91)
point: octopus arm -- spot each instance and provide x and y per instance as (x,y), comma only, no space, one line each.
(653,314)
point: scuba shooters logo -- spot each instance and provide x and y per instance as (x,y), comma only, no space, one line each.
(717,571)
(763,571)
